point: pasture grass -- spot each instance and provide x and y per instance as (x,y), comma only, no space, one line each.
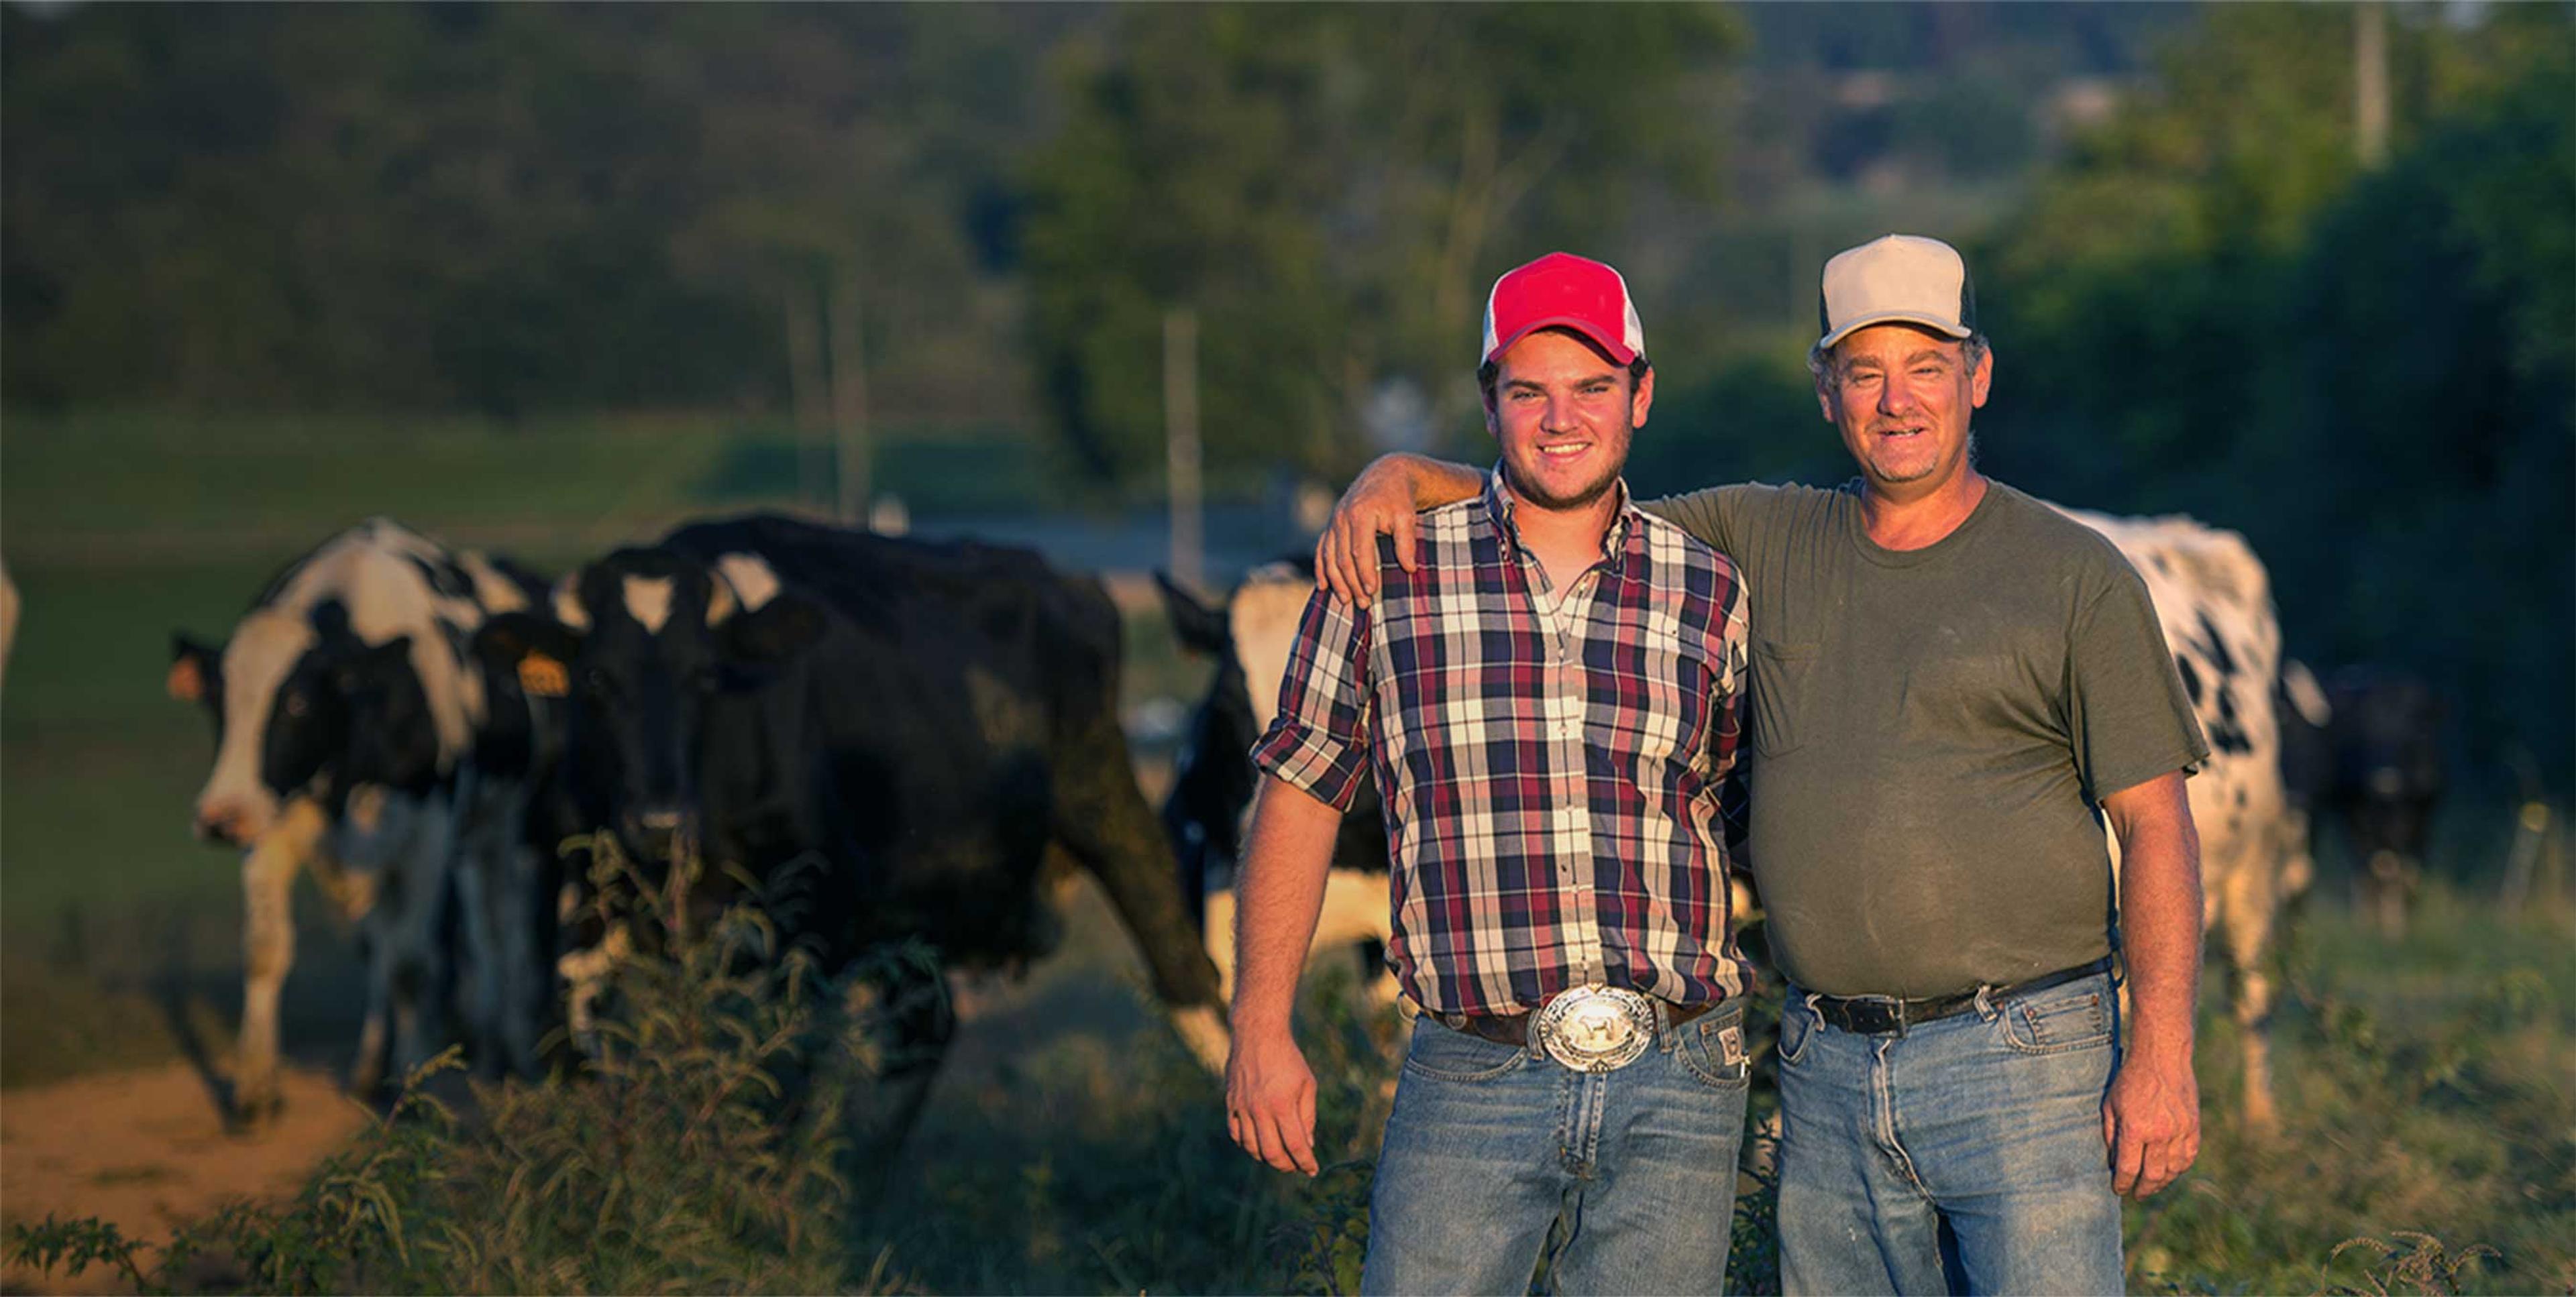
(2429,1145)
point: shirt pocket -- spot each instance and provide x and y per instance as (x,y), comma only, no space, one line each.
(1783,680)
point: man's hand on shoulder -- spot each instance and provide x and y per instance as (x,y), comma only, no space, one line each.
(2151,1122)
(1378,503)
(1270,1100)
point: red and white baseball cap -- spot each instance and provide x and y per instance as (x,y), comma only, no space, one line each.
(1561,290)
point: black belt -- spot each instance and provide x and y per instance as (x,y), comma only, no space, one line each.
(1877,1015)
(1513,1028)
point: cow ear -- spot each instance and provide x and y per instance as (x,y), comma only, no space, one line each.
(1200,628)
(192,667)
(775,632)
(539,652)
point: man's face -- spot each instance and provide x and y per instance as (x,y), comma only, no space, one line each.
(1901,398)
(1563,414)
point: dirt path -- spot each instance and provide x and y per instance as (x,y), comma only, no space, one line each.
(147,1149)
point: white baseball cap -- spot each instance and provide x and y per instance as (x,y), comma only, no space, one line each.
(1901,279)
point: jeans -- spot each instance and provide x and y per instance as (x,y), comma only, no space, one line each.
(1988,1123)
(1491,1149)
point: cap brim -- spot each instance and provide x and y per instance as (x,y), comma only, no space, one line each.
(1947,328)
(1617,351)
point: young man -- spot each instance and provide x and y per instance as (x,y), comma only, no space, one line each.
(1548,701)
(1954,685)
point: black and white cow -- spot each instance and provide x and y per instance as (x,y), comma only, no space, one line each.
(2214,598)
(2211,593)
(379,619)
(1210,806)
(512,821)
(930,724)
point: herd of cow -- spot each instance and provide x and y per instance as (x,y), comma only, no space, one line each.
(908,738)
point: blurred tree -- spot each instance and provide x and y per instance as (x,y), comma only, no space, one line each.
(1330,189)
(2211,309)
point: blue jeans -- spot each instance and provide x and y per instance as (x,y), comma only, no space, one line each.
(1490,1148)
(1988,1123)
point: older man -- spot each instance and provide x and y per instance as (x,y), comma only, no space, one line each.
(1953,686)
(1548,701)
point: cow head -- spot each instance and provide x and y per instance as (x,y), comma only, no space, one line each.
(644,645)
(280,694)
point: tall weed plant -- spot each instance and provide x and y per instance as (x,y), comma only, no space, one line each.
(696,1148)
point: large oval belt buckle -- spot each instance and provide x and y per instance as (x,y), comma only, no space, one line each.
(1596,1028)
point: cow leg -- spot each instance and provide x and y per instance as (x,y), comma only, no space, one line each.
(1103,820)
(2390,877)
(423,975)
(367,1066)
(268,951)
(476,899)
(2249,907)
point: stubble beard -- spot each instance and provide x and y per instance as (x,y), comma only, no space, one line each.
(1566,503)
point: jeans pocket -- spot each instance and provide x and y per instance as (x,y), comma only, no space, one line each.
(1797,1027)
(1444,1054)
(1713,1051)
(2077,1016)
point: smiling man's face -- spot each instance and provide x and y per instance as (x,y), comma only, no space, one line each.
(1902,397)
(1563,413)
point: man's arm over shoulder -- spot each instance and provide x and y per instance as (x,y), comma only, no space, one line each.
(1382,501)
(1720,517)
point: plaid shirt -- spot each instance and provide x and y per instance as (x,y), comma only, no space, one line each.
(1550,761)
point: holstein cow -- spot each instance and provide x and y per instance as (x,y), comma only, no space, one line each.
(512,822)
(2214,598)
(2211,593)
(911,730)
(1210,805)
(317,643)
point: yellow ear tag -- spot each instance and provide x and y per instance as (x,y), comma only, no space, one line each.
(543,677)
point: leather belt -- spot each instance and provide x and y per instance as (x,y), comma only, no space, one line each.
(1878,1015)
(1514,1029)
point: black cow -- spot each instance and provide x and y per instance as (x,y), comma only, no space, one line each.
(928,724)
(377,620)
(2386,739)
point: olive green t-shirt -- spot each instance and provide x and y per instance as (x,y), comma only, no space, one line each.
(1932,731)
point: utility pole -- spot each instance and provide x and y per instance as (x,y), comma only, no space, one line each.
(1181,440)
(850,397)
(2370,83)
(805,386)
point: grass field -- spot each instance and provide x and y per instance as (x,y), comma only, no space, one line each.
(2428,1086)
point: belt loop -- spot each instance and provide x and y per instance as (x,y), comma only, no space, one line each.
(1986,1001)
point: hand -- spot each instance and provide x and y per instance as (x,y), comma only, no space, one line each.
(1270,1102)
(1379,503)
(2151,1123)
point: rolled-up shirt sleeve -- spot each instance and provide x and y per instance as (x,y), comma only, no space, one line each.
(1319,742)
